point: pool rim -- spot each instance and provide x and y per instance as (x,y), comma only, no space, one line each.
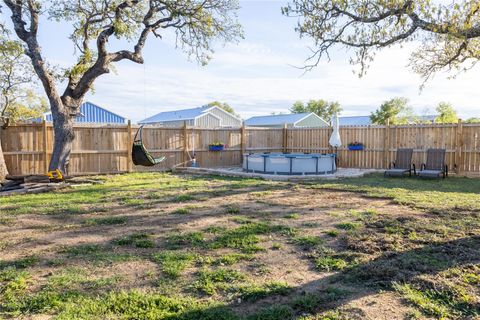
(291,157)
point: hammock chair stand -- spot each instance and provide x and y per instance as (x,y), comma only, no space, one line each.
(140,155)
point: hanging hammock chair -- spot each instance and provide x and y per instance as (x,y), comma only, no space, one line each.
(140,155)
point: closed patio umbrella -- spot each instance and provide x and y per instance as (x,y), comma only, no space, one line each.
(335,140)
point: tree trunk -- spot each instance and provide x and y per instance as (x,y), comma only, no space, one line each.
(3,165)
(63,117)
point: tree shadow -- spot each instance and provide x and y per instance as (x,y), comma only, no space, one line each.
(362,280)
(378,275)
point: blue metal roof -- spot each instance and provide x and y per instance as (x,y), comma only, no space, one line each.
(177,115)
(277,119)
(365,120)
(355,121)
(91,113)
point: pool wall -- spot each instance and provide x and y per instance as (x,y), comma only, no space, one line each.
(290,163)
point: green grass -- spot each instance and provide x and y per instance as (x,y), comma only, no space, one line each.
(96,254)
(142,305)
(184,198)
(347,225)
(118,190)
(292,216)
(210,281)
(182,240)
(332,233)
(453,193)
(181,211)
(308,242)
(21,263)
(247,237)
(220,265)
(173,263)
(232,209)
(446,303)
(328,264)
(232,258)
(276,312)
(139,240)
(254,292)
(106,221)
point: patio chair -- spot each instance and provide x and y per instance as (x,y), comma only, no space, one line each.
(402,164)
(435,166)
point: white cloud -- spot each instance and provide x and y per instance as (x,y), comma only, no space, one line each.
(137,94)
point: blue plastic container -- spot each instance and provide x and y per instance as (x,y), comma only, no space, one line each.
(353,148)
(215,148)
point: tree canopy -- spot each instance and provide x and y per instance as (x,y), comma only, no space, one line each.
(16,79)
(446,113)
(472,120)
(17,100)
(394,111)
(223,105)
(449,33)
(324,109)
(196,24)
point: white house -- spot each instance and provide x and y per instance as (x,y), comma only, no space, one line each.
(204,117)
(294,120)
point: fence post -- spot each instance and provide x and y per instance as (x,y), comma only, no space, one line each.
(386,145)
(185,144)
(243,145)
(285,138)
(129,147)
(45,146)
(459,147)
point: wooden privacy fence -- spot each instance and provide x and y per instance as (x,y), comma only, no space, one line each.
(107,148)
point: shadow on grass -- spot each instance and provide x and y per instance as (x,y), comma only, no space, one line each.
(360,280)
(379,275)
(328,293)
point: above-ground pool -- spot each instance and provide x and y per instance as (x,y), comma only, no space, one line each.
(290,163)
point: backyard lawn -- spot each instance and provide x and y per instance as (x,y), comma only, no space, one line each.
(167,246)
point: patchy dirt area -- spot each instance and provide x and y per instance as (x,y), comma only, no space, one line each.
(240,248)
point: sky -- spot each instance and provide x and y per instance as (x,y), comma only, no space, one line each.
(260,74)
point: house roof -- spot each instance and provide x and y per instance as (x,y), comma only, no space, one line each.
(277,119)
(177,115)
(355,121)
(90,112)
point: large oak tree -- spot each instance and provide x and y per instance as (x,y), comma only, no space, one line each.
(195,23)
(449,31)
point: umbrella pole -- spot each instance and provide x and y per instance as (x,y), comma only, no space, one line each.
(336,156)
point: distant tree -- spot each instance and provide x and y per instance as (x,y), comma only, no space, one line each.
(473,120)
(223,105)
(324,109)
(446,113)
(30,106)
(195,24)
(449,31)
(16,76)
(394,111)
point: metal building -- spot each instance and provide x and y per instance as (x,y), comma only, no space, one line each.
(90,113)
(294,120)
(205,117)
